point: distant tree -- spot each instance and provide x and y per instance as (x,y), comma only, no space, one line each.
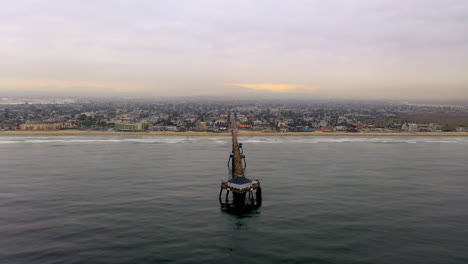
(167,123)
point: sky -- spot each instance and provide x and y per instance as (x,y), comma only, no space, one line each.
(367,49)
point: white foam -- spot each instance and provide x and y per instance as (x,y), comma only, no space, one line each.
(226,140)
(76,140)
(387,140)
(7,142)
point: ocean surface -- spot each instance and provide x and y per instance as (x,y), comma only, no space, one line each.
(155,200)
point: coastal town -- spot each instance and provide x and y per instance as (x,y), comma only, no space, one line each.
(211,115)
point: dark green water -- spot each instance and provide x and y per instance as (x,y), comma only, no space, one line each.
(154,200)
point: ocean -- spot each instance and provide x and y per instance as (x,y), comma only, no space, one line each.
(155,200)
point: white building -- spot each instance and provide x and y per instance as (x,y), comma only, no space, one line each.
(411,127)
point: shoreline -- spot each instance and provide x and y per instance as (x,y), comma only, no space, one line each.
(227,134)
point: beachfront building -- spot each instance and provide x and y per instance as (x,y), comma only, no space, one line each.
(133,127)
(411,127)
(41,126)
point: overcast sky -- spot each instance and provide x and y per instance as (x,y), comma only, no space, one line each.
(393,49)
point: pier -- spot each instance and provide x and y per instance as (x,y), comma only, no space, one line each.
(239,193)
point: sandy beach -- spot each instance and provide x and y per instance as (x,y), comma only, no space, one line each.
(226,134)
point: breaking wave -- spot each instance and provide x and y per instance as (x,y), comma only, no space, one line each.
(226,140)
(315,140)
(92,140)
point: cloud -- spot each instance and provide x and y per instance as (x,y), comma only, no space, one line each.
(276,87)
(364,49)
(61,86)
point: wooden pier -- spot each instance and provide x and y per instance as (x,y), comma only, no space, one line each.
(239,193)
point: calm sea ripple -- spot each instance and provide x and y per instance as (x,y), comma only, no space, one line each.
(154,200)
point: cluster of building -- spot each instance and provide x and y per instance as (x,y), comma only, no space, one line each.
(213,116)
(48,126)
